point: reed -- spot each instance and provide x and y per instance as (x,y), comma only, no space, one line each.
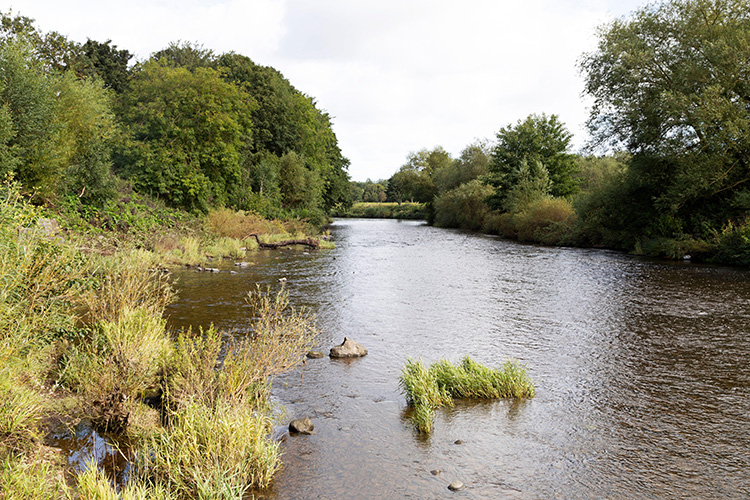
(423,393)
(218,452)
(427,389)
(30,480)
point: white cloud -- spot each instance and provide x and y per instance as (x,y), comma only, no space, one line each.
(396,75)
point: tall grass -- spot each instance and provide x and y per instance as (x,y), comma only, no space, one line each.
(26,480)
(93,484)
(423,393)
(211,452)
(428,389)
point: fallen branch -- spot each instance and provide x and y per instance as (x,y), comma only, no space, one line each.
(309,242)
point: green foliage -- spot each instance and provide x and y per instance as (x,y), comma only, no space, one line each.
(734,244)
(547,220)
(471,164)
(406,210)
(187,130)
(105,61)
(54,128)
(537,139)
(428,389)
(531,184)
(463,206)
(670,83)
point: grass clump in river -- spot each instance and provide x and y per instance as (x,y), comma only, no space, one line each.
(427,389)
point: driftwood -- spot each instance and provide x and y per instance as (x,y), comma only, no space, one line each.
(309,242)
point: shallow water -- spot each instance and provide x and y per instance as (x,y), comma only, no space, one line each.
(643,385)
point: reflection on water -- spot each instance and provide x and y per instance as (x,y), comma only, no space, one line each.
(643,387)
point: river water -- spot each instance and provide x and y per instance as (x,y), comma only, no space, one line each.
(641,367)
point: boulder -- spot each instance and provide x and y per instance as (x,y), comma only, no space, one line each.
(348,349)
(301,426)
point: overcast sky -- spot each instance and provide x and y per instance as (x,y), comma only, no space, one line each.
(396,75)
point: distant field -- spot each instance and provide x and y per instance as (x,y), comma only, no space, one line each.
(384,211)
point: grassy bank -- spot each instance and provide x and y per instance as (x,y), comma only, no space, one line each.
(82,339)
(413,211)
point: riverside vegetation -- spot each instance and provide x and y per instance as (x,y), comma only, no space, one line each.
(671,121)
(82,338)
(428,389)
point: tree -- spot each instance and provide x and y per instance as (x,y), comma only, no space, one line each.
(107,62)
(187,131)
(539,138)
(670,83)
(471,164)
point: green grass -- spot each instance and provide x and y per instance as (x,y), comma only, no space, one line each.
(427,389)
(211,452)
(30,480)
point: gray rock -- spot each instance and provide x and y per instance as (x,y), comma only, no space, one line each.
(301,426)
(315,354)
(211,270)
(242,264)
(348,349)
(456,486)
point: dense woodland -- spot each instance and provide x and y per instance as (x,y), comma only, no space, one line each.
(196,129)
(667,172)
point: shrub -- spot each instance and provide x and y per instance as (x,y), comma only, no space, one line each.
(463,206)
(733,244)
(547,221)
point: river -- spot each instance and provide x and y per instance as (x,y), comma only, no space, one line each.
(641,367)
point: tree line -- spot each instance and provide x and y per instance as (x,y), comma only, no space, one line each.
(194,128)
(671,93)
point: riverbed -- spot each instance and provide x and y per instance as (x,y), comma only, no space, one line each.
(641,367)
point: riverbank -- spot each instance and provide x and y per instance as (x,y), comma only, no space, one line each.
(384,210)
(84,343)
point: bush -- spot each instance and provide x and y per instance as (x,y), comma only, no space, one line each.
(547,220)
(733,244)
(464,206)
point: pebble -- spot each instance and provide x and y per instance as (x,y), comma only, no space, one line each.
(456,486)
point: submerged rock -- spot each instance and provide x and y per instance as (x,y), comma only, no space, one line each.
(348,349)
(315,354)
(456,486)
(301,426)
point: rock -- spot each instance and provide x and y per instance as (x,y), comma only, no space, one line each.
(211,270)
(242,264)
(348,349)
(436,472)
(282,280)
(232,272)
(458,441)
(301,426)
(456,486)
(315,354)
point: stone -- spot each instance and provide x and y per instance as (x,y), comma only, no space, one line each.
(301,426)
(348,349)
(436,472)
(456,486)
(458,441)
(315,354)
